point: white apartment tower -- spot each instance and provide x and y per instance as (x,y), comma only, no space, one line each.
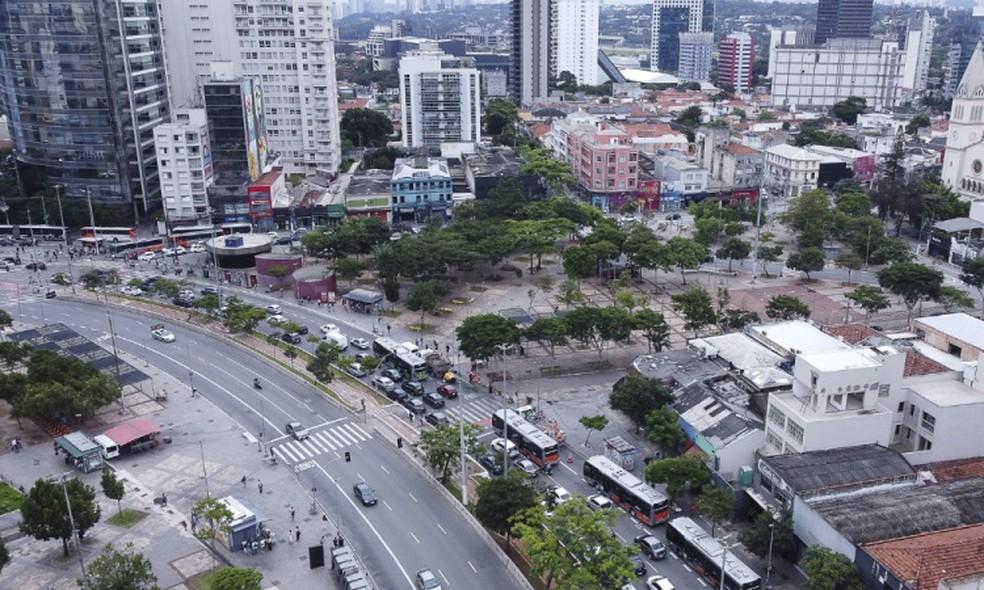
(696,50)
(531,50)
(440,99)
(575,39)
(196,34)
(919,36)
(184,165)
(963,164)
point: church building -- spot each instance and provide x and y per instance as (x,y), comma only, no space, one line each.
(963,162)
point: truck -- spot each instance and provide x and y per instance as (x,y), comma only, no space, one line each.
(130,438)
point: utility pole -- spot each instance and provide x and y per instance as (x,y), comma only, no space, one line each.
(201,449)
(116,354)
(92,218)
(768,569)
(758,235)
(75,534)
(61,220)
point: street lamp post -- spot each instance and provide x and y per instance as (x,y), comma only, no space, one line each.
(5,208)
(768,568)
(92,218)
(61,220)
(75,534)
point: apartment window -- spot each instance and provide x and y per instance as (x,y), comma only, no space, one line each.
(883,390)
(925,444)
(901,407)
(777,417)
(795,431)
(912,410)
(774,441)
(928,422)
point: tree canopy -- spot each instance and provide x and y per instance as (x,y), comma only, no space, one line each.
(480,335)
(119,570)
(44,514)
(61,388)
(637,397)
(366,127)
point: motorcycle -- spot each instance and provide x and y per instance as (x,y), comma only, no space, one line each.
(256,384)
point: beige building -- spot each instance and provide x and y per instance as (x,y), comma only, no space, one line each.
(790,171)
(958,334)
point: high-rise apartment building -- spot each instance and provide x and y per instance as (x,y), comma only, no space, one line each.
(843,19)
(789,37)
(184,165)
(196,34)
(440,100)
(670,18)
(918,41)
(736,57)
(696,50)
(575,39)
(531,50)
(84,84)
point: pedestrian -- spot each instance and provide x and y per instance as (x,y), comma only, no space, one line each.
(243,481)
(184,524)
(388,328)
(163,499)
(435,346)
(324,517)
(259,485)
(447,349)
(490,386)
(290,535)
(297,535)
(292,514)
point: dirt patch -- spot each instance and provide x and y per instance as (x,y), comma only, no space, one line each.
(825,310)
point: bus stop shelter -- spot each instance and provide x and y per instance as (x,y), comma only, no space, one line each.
(363,300)
(246,524)
(80,451)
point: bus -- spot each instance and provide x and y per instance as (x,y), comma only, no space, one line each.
(41,232)
(237,228)
(405,360)
(536,445)
(193,233)
(639,499)
(109,234)
(705,554)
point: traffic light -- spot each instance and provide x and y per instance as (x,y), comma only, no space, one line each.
(348,457)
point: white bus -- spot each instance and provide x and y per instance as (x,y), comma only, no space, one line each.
(536,445)
(705,553)
(628,491)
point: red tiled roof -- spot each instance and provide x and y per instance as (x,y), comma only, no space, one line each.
(739,149)
(538,130)
(920,364)
(925,560)
(851,333)
(957,469)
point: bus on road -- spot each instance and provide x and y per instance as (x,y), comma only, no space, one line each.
(536,445)
(638,498)
(41,232)
(705,554)
(409,363)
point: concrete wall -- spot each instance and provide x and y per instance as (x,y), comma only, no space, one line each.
(812,529)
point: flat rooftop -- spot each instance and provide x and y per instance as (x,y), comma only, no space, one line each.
(841,360)
(947,393)
(796,337)
(839,468)
(371,183)
(496,161)
(961,326)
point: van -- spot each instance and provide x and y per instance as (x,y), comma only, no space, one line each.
(110,450)
(338,338)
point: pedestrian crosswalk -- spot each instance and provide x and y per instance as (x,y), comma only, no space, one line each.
(320,441)
(478,411)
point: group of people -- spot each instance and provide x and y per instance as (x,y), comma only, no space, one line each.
(262,543)
(16,445)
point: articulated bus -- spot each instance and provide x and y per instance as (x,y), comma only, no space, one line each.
(705,553)
(194,233)
(109,234)
(628,491)
(536,445)
(237,228)
(41,232)
(412,365)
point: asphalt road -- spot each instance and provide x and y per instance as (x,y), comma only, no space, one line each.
(411,528)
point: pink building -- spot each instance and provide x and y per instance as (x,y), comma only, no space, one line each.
(601,154)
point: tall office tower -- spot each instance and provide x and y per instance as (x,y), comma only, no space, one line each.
(709,13)
(695,57)
(575,39)
(440,100)
(84,84)
(844,19)
(670,18)
(736,57)
(184,164)
(195,35)
(289,45)
(963,163)
(531,50)
(918,41)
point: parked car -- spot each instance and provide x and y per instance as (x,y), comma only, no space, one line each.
(384,384)
(360,343)
(491,463)
(209,291)
(197,248)
(50,295)
(365,494)
(355,370)
(528,467)
(501,445)
(413,388)
(291,338)
(433,399)
(561,495)
(273,309)
(302,330)
(35,266)
(276,320)
(183,301)
(437,419)
(131,291)
(426,580)
(414,405)
(162,334)
(448,391)
(297,430)
(338,339)
(147,257)
(325,328)
(659,583)
(397,395)
(651,546)
(599,502)
(392,374)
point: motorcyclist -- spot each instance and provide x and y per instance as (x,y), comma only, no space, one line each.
(256,382)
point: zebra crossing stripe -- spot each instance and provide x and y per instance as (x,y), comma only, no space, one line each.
(348,428)
(366,434)
(330,437)
(324,439)
(315,442)
(281,455)
(300,450)
(287,452)
(343,435)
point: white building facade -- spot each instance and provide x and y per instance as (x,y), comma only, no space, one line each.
(531,50)
(440,100)
(574,30)
(195,35)
(696,50)
(963,164)
(790,171)
(918,52)
(184,163)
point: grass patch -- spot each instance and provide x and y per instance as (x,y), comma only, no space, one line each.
(202,581)
(392,313)
(127,518)
(417,327)
(451,487)
(10,499)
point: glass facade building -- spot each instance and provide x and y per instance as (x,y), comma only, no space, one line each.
(83,84)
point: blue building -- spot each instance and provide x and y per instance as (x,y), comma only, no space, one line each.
(421,188)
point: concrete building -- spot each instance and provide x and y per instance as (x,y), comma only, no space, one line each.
(696,50)
(963,163)
(738,165)
(843,19)
(369,194)
(821,76)
(421,187)
(680,175)
(918,42)
(787,37)
(736,59)
(670,18)
(395,48)
(440,100)
(958,334)
(531,50)
(195,35)
(602,156)
(489,166)
(184,165)
(790,171)
(84,84)
(574,43)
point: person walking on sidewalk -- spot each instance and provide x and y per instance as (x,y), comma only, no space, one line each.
(290,535)
(297,534)
(292,514)
(259,486)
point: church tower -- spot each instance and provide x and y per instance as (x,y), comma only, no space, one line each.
(963,163)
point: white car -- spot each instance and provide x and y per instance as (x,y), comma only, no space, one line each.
(501,445)
(180,250)
(273,309)
(659,583)
(360,343)
(197,248)
(162,335)
(599,502)
(561,495)
(325,328)
(276,320)
(131,291)
(384,384)
(147,256)
(338,338)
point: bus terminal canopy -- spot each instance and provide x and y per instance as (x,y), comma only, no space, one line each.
(363,296)
(128,432)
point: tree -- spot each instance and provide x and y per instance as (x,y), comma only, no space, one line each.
(500,115)
(655,329)
(324,357)
(218,518)
(690,116)
(716,504)
(579,262)
(734,249)
(62,388)
(916,123)
(502,498)
(208,302)
(707,230)
(911,281)
(850,261)
(44,514)
(391,289)
(424,297)
(680,474)
(769,253)
(4,555)
(442,447)
(480,335)
(592,423)
(869,298)
(366,127)
(542,163)
(5,320)
(731,320)
(806,260)
(569,294)
(953,298)
(113,488)
(241,317)
(972,274)
(696,307)
(826,569)
(291,353)
(119,570)
(550,331)
(278,271)
(12,353)
(637,397)
(763,527)
(236,578)
(787,307)
(809,216)
(615,324)
(567,82)
(685,254)
(663,427)
(349,269)
(848,109)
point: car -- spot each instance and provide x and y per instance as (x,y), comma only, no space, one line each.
(276,320)
(162,335)
(426,580)
(291,338)
(340,341)
(167,251)
(528,467)
(360,343)
(183,301)
(384,384)
(297,430)
(186,293)
(364,493)
(392,374)
(397,395)
(599,502)
(325,328)
(12,260)
(501,445)
(659,583)
(413,388)
(437,419)
(360,356)
(131,291)
(179,251)
(448,391)
(5,266)
(209,291)
(491,463)
(302,330)
(651,546)
(355,370)
(197,248)
(638,565)
(273,309)
(50,295)
(414,405)
(35,266)
(147,257)
(561,495)
(433,399)
(273,234)
(283,241)
(673,216)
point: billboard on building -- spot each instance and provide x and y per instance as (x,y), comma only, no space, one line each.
(249,113)
(261,137)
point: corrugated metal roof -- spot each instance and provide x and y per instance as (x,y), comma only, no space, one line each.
(838,468)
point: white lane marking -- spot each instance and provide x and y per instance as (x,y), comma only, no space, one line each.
(271,383)
(342,435)
(387,506)
(348,428)
(414,537)
(328,423)
(444,577)
(266,400)
(442,528)
(620,537)
(366,434)
(324,439)
(360,476)
(472,567)
(362,515)
(278,450)
(566,466)
(330,436)
(386,471)
(314,440)
(301,450)
(287,452)
(412,497)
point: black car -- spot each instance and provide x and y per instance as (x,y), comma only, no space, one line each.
(491,463)
(437,419)
(414,405)
(209,291)
(12,260)
(413,388)
(434,399)
(36,266)
(651,546)
(302,330)
(397,394)
(393,374)
(364,493)
(291,338)
(184,301)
